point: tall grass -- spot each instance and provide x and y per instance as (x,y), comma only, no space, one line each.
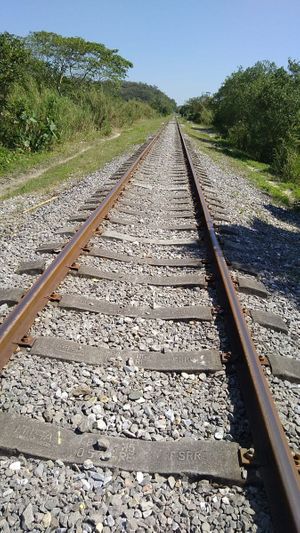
(111,112)
(35,117)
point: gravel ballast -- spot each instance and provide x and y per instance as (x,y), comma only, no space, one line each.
(120,399)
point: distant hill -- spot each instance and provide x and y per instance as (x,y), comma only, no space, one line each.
(148,93)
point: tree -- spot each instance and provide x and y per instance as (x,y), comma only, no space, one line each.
(198,109)
(73,57)
(258,110)
(13,60)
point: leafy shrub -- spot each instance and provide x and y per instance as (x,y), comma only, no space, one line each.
(6,157)
(258,110)
(284,161)
(198,110)
(35,119)
(238,135)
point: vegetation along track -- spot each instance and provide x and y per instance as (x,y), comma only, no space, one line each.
(132,342)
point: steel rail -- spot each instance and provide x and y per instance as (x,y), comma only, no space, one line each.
(276,464)
(21,318)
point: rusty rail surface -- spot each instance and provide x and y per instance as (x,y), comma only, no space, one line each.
(276,463)
(21,318)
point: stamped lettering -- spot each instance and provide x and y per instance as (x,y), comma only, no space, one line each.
(211,459)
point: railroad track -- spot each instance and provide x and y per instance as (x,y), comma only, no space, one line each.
(140,288)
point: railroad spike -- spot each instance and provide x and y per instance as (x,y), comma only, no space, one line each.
(296,457)
(75,266)
(248,457)
(264,361)
(26,342)
(227,357)
(55,297)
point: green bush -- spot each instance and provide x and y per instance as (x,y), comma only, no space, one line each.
(34,119)
(14,59)
(49,91)
(284,161)
(198,110)
(258,110)
(6,157)
(238,135)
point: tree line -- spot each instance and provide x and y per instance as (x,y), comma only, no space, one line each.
(52,87)
(149,94)
(258,111)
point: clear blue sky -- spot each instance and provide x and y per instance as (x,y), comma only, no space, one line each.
(185,47)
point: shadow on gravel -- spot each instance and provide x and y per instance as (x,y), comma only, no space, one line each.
(218,144)
(239,431)
(291,216)
(204,130)
(267,249)
(211,141)
(252,241)
(239,426)
(259,504)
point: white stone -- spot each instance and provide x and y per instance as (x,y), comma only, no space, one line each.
(185,375)
(219,435)
(7,492)
(46,520)
(171,481)
(22,481)
(170,415)
(97,409)
(139,477)
(101,424)
(225,500)
(15,467)
(86,484)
